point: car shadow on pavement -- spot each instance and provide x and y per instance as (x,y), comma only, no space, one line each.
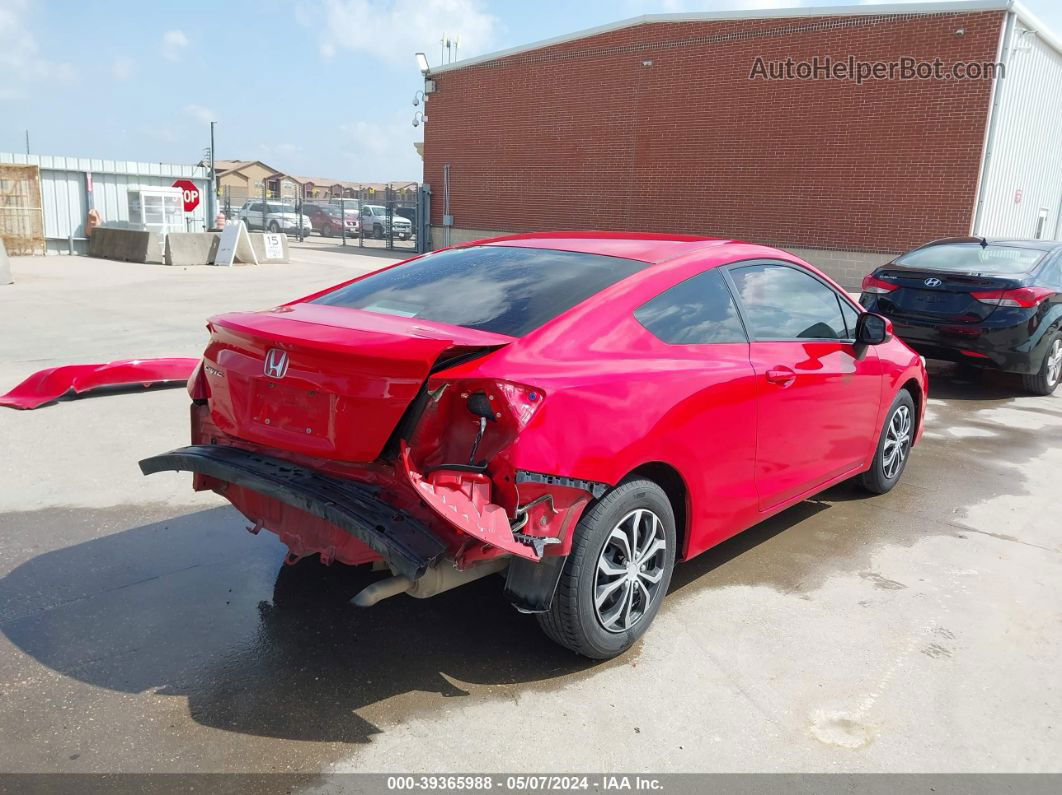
(196,607)
(961,382)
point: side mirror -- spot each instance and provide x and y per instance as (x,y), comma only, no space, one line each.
(873,329)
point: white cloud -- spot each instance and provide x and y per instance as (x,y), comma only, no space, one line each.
(20,61)
(200,114)
(379,151)
(122,68)
(395,29)
(173,44)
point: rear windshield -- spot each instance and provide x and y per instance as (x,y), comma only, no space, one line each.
(973,257)
(504,290)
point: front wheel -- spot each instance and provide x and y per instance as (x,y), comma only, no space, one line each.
(274,227)
(894,446)
(1045,381)
(618,571)
(326,230)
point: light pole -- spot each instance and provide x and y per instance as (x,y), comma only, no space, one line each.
(212,198)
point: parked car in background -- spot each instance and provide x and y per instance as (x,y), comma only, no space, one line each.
(329,219)
(376,224)
(409,213)
(273,217)
(990,303)
(576,410)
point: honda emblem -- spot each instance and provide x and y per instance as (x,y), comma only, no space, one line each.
(932,281)
(276,363)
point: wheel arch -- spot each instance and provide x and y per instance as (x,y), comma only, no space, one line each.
(915,390)
(674,486)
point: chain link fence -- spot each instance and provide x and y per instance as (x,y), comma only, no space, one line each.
(385,217)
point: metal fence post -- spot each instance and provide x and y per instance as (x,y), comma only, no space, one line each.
(298,211)
(424,219)
(343,219)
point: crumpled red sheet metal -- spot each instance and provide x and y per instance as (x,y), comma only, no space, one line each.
(47,386)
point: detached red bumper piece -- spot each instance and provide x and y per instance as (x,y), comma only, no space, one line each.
(47,386)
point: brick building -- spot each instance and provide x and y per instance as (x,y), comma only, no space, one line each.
(666,123)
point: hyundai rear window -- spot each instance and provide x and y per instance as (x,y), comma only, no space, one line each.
(500,289)
(973,257)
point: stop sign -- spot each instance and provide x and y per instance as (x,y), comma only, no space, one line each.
(191,194)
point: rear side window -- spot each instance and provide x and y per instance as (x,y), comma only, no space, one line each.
(697,311)
(973,257)
(783,303)
(504,290)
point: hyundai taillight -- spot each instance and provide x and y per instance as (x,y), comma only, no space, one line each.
(1021,298)
(876,286)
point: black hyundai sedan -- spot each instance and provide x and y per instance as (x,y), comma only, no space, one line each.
(993,303)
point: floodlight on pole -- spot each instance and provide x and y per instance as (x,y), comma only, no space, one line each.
(422,63)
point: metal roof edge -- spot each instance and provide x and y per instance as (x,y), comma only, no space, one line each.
(866,9)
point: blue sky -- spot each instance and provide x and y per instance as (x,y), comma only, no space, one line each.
(311,87)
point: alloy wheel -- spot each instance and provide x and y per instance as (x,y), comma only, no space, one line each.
(1054,362)
(629,570)
(897,442)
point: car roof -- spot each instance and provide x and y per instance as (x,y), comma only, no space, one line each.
(640,246)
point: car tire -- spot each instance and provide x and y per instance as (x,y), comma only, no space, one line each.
(273,227)
(377,231)
(1045,380)
(897,436)
(602,630)
(326,230)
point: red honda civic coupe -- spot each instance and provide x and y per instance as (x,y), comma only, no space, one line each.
(576,410)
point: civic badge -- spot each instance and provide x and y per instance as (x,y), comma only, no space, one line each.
(276,363)
(932,281)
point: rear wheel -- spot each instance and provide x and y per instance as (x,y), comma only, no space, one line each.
(377,231)
(618,571)
(274,227)
(894,446)
(1046,380)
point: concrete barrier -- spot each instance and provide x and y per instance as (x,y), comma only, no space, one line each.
(5,265)
(191,248)
(127,245)
(259,246)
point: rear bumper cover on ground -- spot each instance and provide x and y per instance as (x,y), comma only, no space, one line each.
(47,386)
(402,540)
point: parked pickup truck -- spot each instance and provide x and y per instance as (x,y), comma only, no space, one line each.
(375,222)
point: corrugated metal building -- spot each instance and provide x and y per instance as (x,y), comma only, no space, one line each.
(1021,185)
(660,123)
(125,193)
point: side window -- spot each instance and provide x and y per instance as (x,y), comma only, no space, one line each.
(257,207)
(783,303)
(850,317)
(699,310)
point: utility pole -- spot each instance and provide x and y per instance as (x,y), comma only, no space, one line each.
(212,199)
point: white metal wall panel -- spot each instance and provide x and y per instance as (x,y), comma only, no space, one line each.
(63,203)
(1025,161)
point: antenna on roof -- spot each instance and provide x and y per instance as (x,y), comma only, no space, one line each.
(984,242)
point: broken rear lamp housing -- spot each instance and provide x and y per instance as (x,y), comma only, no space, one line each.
(198,388)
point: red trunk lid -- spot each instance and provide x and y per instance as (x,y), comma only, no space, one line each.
(338,381)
